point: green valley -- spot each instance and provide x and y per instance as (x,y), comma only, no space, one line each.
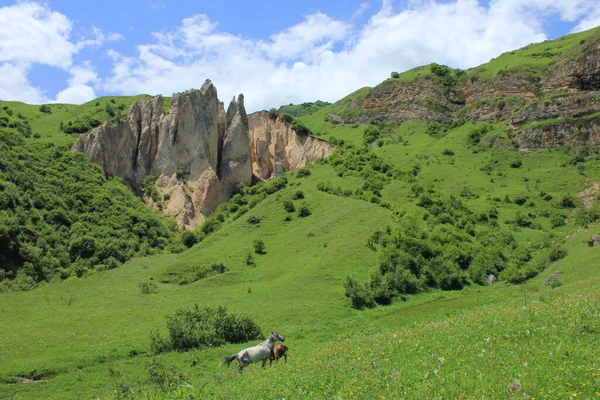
(447,248)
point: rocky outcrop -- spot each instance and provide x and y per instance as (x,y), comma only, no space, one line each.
(509,84)
(491,110)
(425,98)
(197,154)
(235,165)
(563,106)
(579,72)
(584,132)
(276,147)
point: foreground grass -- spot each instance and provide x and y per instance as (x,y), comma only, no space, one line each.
(468,344)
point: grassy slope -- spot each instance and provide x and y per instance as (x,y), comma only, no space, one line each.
(47,125)
(431,345)
(534,58)
(77,329)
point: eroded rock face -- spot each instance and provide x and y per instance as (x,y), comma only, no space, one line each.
(423,99)
(276,147)
(197,153)
(509,84)
(561,133)
(575,73)
(568,105)
(235,165)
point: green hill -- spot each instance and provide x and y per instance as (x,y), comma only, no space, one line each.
(375,260)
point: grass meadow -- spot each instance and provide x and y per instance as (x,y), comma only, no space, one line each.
(90,337)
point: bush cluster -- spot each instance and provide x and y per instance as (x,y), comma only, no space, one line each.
(244,199)
(196,328)
(450,248)
(60,217)
(81,124)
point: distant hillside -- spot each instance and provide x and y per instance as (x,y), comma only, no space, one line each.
(544,95)
(299,110)
(442,247)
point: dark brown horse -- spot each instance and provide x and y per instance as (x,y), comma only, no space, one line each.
(277,351)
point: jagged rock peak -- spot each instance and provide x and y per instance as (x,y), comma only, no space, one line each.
(183,149)
(235,165)
(277,148)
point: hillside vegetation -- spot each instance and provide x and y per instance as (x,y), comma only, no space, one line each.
(373,262)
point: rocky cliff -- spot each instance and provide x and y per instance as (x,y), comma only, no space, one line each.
(196,153)
(188,161)
(276,147)
(424,98)
(546,94)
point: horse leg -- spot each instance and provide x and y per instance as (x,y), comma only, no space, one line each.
(285,357)
(241,366)
(264,362)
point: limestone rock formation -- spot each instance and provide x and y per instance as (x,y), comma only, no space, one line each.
(560,133)
(197,154)
(510,84)
(563,106)
(424,98)
(581,72)
(235,165)
(276,147)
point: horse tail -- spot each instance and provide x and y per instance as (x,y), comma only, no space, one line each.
(227,360)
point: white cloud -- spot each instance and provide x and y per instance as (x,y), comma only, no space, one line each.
(590,21)
(314,35)
(320,57)
(32,33)
(323,58)
(15,85)
(77,94)
(79,91)
(98,39)
(362,8)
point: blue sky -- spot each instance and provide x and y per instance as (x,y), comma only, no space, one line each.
(274,52)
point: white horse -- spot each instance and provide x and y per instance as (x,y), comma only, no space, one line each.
(260,352)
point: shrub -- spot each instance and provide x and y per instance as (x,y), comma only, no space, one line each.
(567,202)
(370,134)
(250,260)
(557,221)
(557,253)
(273,113)
(189,238)
(194,328)
(394,75)
(516,164)
(300,128)
(448,152)
(298,195)
(253,220)
(286,118)
(166,378)
(304,211)
(303,173)
(289,206)
(110,110)
(45,108)
(259,247)
(520,200)
(148,287)
(359,294)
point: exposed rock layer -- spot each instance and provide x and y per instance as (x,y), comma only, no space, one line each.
(197,152)
(197,155)
(276,147)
